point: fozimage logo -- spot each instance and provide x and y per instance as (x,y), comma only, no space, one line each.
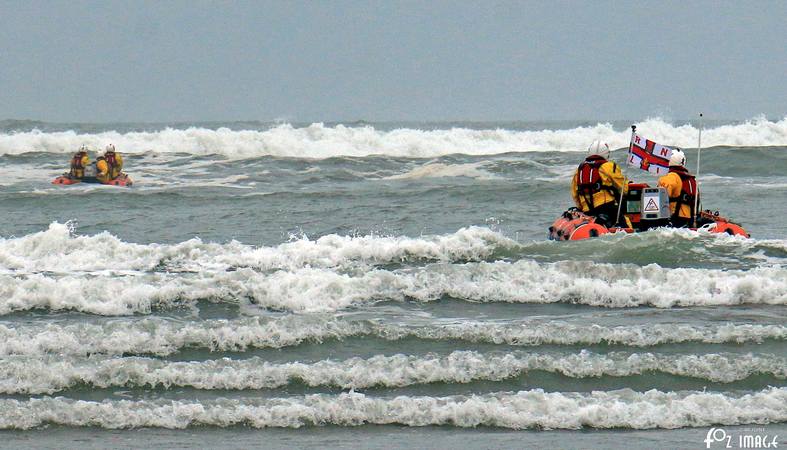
(742,439)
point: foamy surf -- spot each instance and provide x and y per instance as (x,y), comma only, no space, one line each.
(48,250)
(521,410)
(324,290)
(321,276)
(163,337)
(23,375)
(59,249)
(321,141)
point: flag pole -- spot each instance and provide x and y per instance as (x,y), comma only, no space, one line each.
(625,171)
(697,174)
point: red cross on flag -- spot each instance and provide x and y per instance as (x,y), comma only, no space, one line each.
(648,155)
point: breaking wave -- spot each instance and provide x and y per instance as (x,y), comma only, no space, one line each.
(104,275)
(320,141)
(46,376)
(46,251)
(323,290)
(526,409)
(163,337)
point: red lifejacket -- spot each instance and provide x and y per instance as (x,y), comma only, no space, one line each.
(111,161)
(688,190)
(76,161)
(588,176)
(589,179)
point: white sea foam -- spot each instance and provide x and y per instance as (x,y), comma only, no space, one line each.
(159,336)
(320,141)
(162,337)
(24,375)
(440,170)
(101,274)
(566,333)
(525,409)
(322,290)
(58,250)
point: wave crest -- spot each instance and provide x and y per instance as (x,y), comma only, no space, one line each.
(49,375)
(321,141)
(163,337)
(525,409)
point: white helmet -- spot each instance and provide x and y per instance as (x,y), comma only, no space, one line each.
(599,148)
(678,158)
(110,148)
(83,148)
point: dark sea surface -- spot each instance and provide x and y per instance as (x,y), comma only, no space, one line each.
(382,286)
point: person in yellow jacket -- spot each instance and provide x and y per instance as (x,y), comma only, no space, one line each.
(110,165)
(682,190)
(103,169)
(597,185)
(79,161)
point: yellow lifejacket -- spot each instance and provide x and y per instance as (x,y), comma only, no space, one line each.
(682,190)
(596,183)
(103,169)
(115,163)
(78,163)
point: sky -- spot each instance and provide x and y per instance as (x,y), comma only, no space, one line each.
(139,61)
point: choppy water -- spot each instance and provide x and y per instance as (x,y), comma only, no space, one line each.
(328,278)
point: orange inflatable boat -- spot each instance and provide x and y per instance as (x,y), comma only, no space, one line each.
(645,208)
(122,180)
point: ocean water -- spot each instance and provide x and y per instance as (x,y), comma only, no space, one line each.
(382,286)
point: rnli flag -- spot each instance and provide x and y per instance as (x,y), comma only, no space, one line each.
(648,155)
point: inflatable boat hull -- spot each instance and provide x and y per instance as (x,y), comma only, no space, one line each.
(123,180)
(576,226)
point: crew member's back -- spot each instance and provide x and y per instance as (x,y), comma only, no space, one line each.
(109,165)
(79,161)
(597,185)
(682,190)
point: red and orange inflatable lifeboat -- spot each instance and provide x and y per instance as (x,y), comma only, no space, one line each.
(123,180)
(645,208)
(575,226)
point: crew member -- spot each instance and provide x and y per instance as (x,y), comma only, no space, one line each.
(114,162)
(598,184)
(79,161)
(103,169)
(682,190)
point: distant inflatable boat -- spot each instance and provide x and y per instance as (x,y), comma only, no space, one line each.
(90,177)
(646,208)
(122,180)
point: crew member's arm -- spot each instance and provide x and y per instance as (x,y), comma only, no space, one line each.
(616,177)
(574,191)
(673,184)
(85,161)
(119,160)
(102,168)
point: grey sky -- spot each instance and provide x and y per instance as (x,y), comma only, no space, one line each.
(420,60)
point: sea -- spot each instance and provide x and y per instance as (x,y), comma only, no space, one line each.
(384,285)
